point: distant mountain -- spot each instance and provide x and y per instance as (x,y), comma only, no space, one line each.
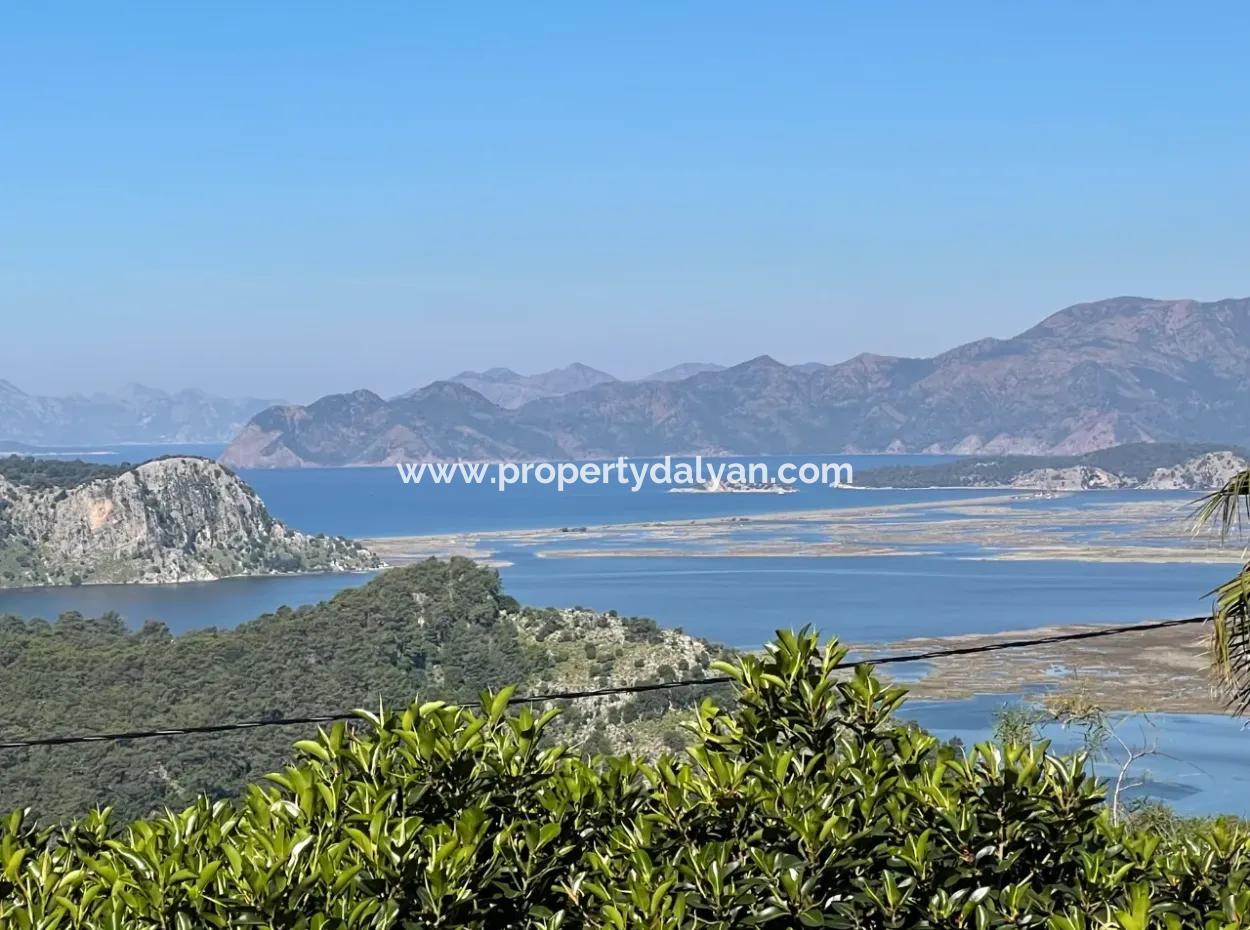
(1095,375)
(506,388)
(683,371)
(134,414)
(444,420)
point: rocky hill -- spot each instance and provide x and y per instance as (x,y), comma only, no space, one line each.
(1202,473)
(1092,376)
(1144,466)
(134,414)
(167,520)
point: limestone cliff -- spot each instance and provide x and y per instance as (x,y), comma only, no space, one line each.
(167,520)
(1203,473)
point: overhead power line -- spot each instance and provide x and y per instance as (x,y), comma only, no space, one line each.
(553,696)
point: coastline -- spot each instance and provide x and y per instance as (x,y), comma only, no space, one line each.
(1152,671)
(997,527)
(169,584)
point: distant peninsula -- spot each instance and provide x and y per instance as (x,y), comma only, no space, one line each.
(180,518)
(1140,465)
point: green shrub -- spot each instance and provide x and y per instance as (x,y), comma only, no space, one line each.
(810,805)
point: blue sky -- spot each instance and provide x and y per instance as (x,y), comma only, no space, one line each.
(292,199)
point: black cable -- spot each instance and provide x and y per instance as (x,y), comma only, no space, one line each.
(604,692)
(1039,641)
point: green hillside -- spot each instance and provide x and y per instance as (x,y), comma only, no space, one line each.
(439,628)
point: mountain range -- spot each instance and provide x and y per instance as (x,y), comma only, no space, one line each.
(1094,375)
(134,414)
(1089,376)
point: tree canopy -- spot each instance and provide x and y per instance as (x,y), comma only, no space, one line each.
(40,473)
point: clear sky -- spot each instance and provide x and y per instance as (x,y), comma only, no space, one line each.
(293,199)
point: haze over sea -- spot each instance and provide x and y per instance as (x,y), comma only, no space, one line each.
(739,601)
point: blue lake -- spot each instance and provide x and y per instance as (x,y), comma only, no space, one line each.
(375,502)
(734,600)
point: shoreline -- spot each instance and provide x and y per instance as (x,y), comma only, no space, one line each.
(172,584)
(990,527)
(1160,671)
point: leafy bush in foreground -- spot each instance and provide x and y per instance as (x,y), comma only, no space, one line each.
(809,806)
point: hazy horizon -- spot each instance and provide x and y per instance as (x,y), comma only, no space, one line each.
(291,200)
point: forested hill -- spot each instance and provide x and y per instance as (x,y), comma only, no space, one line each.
(442,629)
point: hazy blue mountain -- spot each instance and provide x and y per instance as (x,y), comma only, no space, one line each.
(134,414)
(505,387)
(443,420)
(1094,375)
(683,371)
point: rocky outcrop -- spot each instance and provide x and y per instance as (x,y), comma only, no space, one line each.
(1072,478)
(168,520)
(1092,376)
(1203,473)
(1148,466)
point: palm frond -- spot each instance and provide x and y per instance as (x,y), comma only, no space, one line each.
(1227,507)
(1230,627)
(1230,638)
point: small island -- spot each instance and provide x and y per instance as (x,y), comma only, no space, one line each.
(712,486)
